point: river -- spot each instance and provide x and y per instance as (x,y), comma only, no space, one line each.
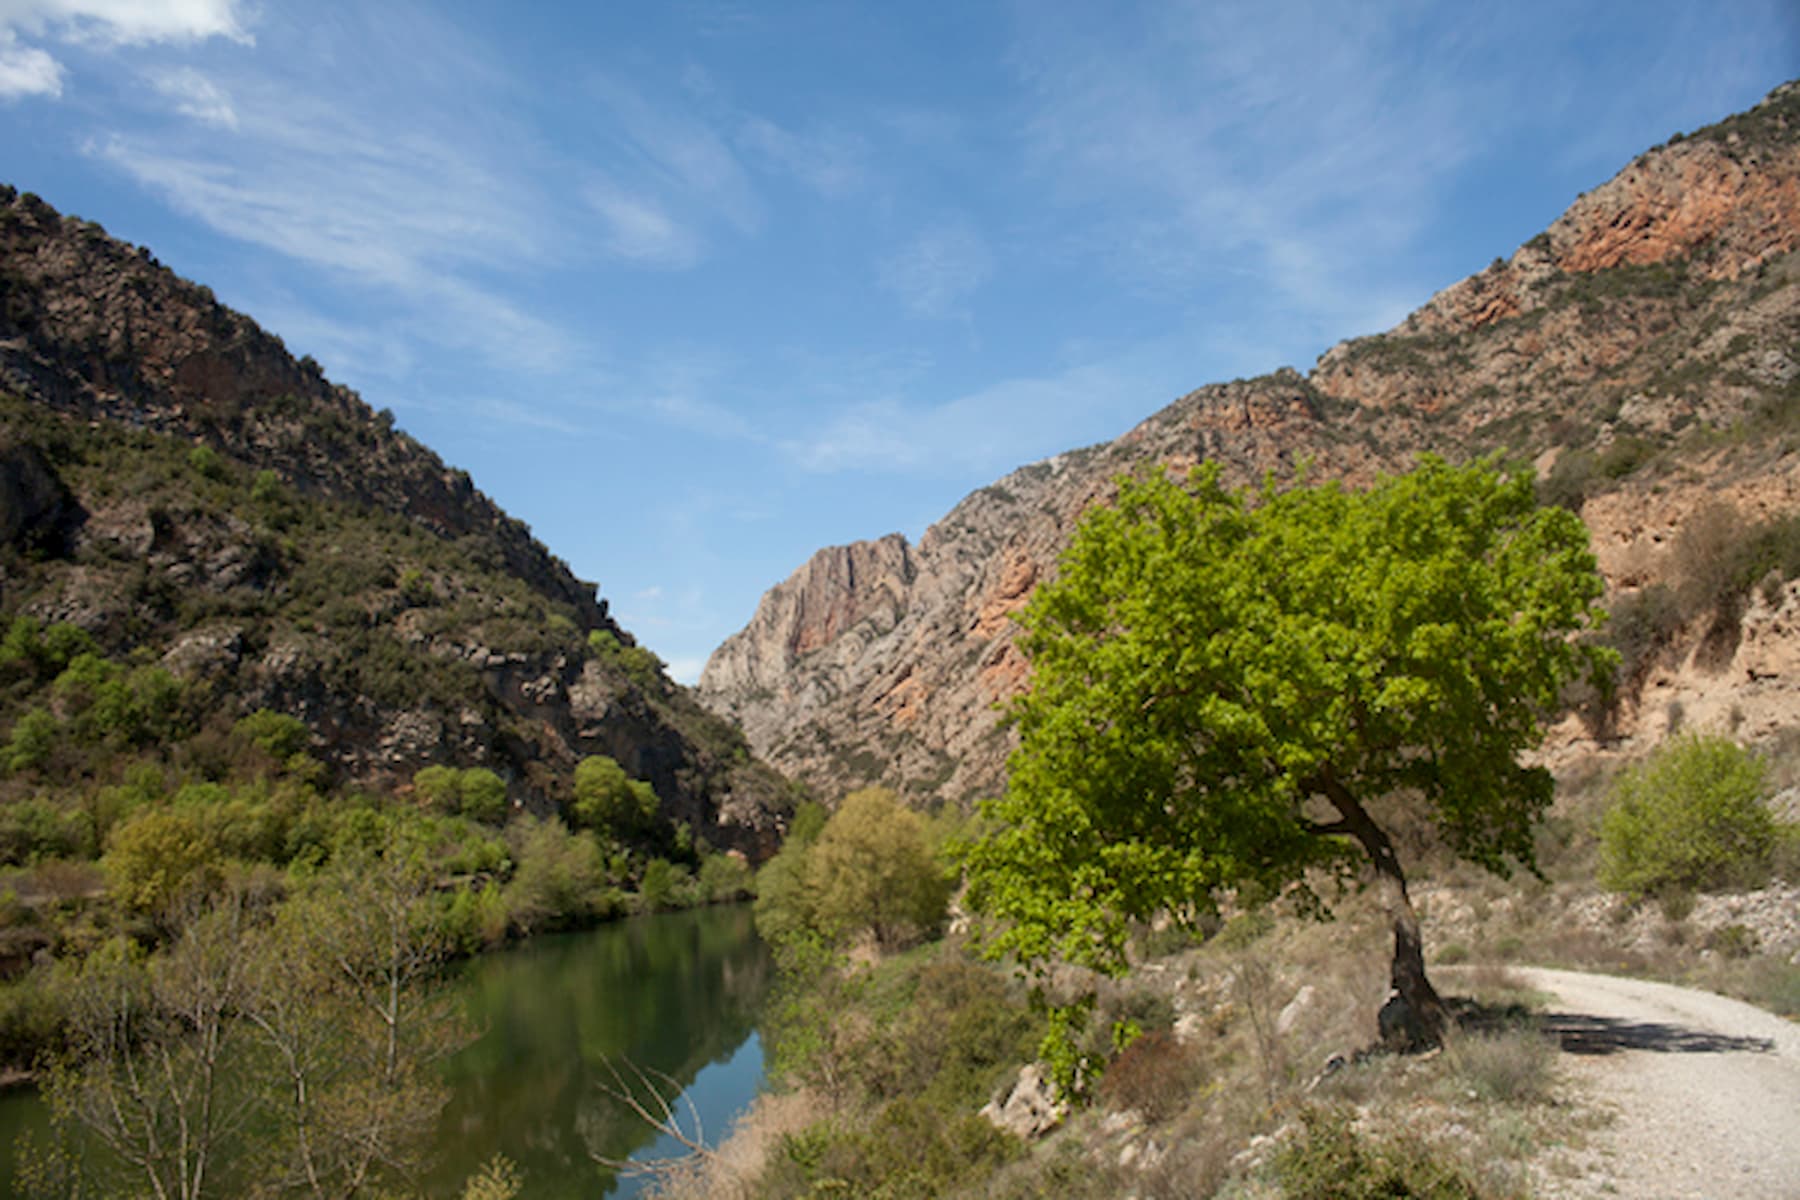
(677,994)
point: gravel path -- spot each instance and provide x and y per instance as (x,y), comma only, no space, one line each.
(1704,1091)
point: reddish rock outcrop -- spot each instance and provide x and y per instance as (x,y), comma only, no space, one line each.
(1665,300)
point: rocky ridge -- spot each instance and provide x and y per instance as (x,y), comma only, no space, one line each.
(1644,351)
(176,484)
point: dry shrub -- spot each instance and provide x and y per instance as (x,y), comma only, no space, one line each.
(1507,1066)
(1331,1160)
(1157,1075)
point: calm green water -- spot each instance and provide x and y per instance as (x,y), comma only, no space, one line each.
(677,993)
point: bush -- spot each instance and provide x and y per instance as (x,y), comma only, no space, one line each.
(560,879)
(725,877)
(872,870)
(1157,1075)
(277,734)
(1331,1161)
(161,855)
(1691,816)
(609,800)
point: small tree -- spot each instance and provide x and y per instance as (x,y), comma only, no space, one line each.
(1690,816)
(1232,689)
(609,800)
(872,870)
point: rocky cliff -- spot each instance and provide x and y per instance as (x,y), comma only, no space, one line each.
(177,485)
(1644,352)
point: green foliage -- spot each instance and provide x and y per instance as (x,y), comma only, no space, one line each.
(807,824)
(31,741)
(475,792)
(41,654)
(639,665)
(784,899)
(609,800)
(1207,663)
(160,856)
(559,880)
(278,735)
(921,1040)
(205,461)
(438,785)
(498,1179)
(871,871)
(1691,816)
(265,487)
(1330,1160)
(725,877)
(911,1151)
(665,885)
(481,795)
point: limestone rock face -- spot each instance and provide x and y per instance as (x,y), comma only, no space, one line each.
(1662,303)
(1029,1108)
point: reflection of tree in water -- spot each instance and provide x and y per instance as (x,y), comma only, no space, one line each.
(670,993)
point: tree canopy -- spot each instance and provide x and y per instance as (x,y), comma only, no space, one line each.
(1234,687)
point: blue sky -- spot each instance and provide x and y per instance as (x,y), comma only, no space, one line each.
(695,288)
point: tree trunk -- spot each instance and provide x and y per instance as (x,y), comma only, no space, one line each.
(1414,1015)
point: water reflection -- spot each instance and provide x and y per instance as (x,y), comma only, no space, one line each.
(671,993)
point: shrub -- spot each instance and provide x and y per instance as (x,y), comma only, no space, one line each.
(437,784)
(1157,1075)
(872,870)
(32,740)
(1330,1160)
(481,795)
(725,877)
(664,885)
(608,799)
(1506,1066)
(277,734)
(1690,816)
(205,461)
(159,855)
(560,879)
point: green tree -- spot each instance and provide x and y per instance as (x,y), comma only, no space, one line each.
(278,735)
(1690,816)
(161,856)
(438,784)
(872,870)
(608,799)
(481,795)
(1233,688)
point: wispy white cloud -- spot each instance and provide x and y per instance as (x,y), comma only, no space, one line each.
(27,70)
(678,155)
(938,269)
(1294,141)
(400,195)
(196,96)
(680,388)
(640,230)
(505,411)
(832,162)
(992,428)
(31,70)
(128,22)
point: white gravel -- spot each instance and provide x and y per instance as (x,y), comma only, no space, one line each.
(1704,1091)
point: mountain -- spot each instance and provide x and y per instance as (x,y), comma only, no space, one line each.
(176,485)
(1643,353)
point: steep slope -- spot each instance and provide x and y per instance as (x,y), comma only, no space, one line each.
(176,485)
(1645,351)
